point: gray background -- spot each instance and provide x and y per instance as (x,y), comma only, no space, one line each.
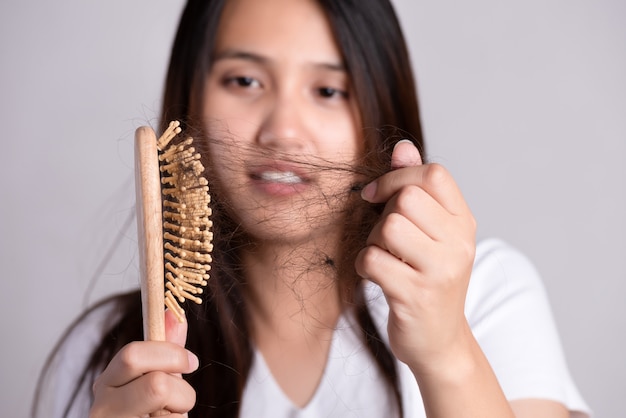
(525,102)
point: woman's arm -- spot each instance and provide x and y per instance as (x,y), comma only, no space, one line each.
(538,408)
(421,254)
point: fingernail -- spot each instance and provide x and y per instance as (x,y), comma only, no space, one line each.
(403,141)
(193,361)
(369,191)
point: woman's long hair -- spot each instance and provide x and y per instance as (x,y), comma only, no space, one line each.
(377,61)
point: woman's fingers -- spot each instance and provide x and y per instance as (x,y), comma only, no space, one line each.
(175,331)
(143,377)
(150,392)
(400,237)
(422,210)
(146,376)
(405,154)
(141,357)
(432,178)
(383,268)
(420,253)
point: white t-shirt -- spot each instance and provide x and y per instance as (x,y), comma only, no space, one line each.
(506,307)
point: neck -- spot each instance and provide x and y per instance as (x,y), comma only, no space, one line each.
(292,290)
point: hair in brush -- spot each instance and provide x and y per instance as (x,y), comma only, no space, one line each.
(174,225)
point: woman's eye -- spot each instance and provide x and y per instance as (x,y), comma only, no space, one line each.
(243,82)
(329,92)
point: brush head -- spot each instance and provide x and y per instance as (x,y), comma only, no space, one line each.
(187,221)
(174,225)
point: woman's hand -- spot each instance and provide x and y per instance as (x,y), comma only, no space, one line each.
(421,254)
(145,376)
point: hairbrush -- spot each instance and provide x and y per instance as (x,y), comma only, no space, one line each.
(173,223)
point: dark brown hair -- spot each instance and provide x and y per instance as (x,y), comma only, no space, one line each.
(374,52)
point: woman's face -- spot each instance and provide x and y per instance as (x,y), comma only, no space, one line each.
(281,117)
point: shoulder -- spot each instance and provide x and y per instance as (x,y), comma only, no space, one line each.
(508,309)
(89,329)
(66,381)
(499,260)
(501,274)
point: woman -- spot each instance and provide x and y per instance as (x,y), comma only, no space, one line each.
(341,282)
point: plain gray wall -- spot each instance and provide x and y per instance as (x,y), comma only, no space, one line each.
(524,102)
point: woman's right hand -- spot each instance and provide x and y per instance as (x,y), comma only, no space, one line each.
(145,377)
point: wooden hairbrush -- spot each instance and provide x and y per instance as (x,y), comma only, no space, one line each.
(173,223)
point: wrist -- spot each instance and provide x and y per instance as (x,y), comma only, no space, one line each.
(455,363)
(459,381)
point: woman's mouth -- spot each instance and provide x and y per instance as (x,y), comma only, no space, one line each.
(275,180)
(284,177)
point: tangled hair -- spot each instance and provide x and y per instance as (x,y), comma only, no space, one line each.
(376,58)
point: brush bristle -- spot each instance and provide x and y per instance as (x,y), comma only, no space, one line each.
(187,220)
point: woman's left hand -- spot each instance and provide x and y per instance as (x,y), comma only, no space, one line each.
(421,254)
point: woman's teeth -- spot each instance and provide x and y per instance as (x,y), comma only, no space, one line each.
(287,177)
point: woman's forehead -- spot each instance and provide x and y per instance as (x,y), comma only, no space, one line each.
(297,29)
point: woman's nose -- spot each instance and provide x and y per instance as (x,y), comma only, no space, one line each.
(283,124)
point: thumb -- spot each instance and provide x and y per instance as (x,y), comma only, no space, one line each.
(405,154)
(175,331)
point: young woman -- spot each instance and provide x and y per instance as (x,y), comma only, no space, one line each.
(346,280)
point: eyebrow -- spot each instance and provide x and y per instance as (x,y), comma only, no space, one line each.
(242,55)
(260,59)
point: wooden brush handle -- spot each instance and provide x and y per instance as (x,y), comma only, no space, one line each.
(150,233)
